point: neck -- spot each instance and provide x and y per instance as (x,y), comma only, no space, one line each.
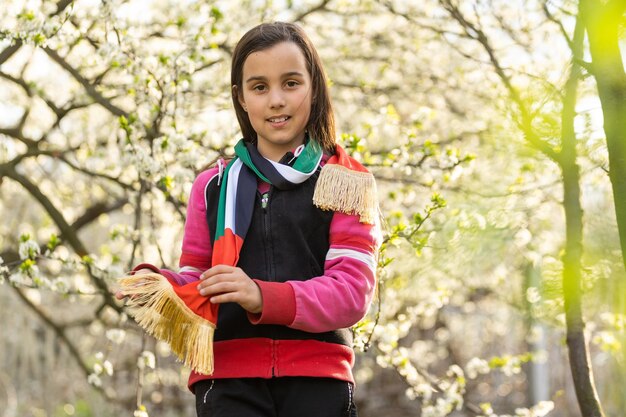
(275,152)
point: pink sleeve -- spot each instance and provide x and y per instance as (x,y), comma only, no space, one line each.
(196,248)
(340,297)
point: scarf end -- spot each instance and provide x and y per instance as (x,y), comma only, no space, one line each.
(347,191)
(160,312)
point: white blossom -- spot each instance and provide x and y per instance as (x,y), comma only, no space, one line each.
(19,278)
(532,295)
(116,335)
(512,366)
(607,341)
(29,249)
(4,270)
(108,367)
(97,369)
(539,410)
(543,408)
(146,359)
(141,412)
(475,367)
(60,285)
(94,380)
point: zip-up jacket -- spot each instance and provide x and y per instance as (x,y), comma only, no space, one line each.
(316,272)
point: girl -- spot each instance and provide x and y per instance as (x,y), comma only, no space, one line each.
(283,240)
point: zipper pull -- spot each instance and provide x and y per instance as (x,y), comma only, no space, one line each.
(220,170)
(296,153)
(264,198)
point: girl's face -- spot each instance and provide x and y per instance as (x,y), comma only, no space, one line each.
(276,94)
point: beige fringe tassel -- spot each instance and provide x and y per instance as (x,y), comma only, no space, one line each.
(352,192)
(156,307)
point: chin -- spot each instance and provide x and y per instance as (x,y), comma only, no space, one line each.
(281,141)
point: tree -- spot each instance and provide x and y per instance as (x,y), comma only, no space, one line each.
(603,22)
(565,156)
(112,109)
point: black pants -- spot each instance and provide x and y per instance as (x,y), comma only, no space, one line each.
(275,397)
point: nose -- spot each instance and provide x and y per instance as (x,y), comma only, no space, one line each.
(276,99)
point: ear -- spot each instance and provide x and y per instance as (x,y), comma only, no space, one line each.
(240,99)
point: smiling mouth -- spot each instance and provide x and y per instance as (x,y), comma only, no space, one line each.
(278,119)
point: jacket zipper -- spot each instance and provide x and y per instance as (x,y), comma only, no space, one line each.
(274,354)
(268,260)
(265,200)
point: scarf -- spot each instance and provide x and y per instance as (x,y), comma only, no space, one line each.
(238,191)
(186,320)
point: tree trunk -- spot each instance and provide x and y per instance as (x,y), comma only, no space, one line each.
(602,25)
(579,359)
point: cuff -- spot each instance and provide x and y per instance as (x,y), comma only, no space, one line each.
(145,266)
(167,274)
(279,304)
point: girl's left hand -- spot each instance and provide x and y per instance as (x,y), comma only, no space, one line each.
(229,284)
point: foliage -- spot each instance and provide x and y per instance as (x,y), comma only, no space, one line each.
(110,108)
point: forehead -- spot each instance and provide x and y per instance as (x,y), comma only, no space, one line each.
(279,59)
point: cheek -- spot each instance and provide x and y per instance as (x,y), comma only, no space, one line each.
(252,105)
(307,103)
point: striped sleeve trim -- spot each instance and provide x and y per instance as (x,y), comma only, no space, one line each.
(366,258)
(189,269)
(354,240)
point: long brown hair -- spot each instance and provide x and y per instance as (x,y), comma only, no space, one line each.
(321,125)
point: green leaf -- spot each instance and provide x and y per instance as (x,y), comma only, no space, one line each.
(26,15)
(216,14)
(39,39)
(27,265)
(165,183)
(53,242)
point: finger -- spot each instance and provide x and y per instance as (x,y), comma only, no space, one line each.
(207,282)
(217,278)
(219,288)
(217,269)
(231,297)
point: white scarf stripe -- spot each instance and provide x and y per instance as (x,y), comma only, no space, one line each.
(293,175)
(367,258)
(231,195)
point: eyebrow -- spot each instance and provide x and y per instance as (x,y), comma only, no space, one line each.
(262,78)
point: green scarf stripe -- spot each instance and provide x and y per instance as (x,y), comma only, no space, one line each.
(306,163)
(242,153)
(308,160)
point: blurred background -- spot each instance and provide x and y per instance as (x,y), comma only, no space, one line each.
(497,134)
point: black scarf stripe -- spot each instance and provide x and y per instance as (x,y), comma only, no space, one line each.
(246,194)
(268,169)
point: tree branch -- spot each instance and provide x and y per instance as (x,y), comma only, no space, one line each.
(320,6)
(58,330)
(9,51)
(66,230)
(476,33)
(89,88)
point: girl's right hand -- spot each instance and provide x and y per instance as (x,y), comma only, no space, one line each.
(119,295)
